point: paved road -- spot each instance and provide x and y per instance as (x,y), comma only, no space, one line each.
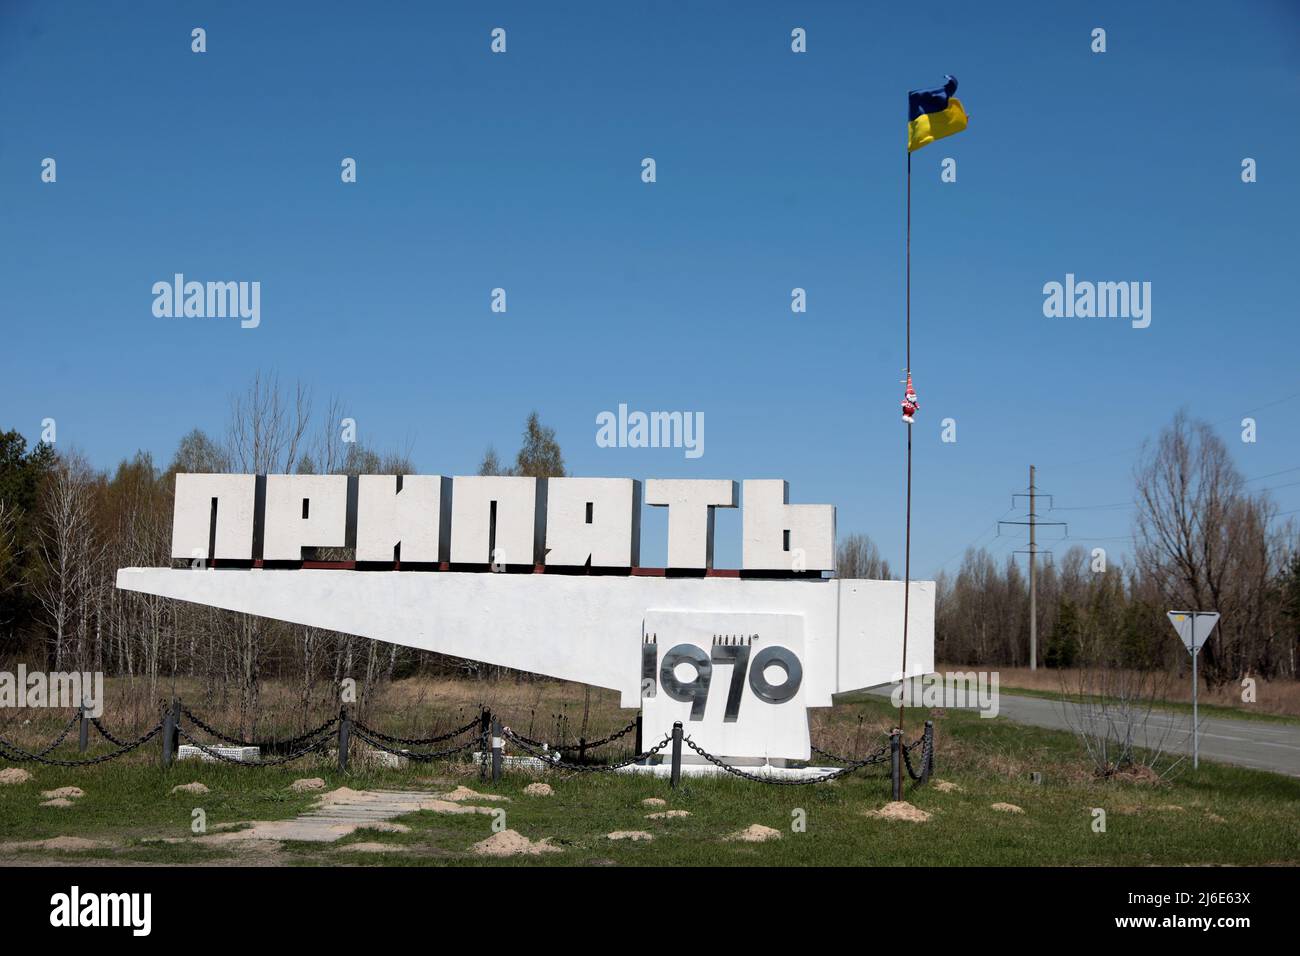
(1259,744)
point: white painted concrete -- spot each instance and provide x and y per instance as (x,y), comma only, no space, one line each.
(579,627)
(412,517)
(236,497)
(767,516)
(690,503)
(612,538)
(472,500)
(304,511)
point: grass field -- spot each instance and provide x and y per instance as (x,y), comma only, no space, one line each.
(1275,700)
(1218,815)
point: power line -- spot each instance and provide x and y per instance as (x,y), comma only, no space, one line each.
(1274,474)
(1217,421)
(1118,505)
(1033,524)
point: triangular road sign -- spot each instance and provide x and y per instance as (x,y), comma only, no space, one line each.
(1194,627)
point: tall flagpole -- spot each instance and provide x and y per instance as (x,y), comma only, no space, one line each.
(907,547)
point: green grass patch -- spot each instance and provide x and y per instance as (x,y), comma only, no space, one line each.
(1228,815)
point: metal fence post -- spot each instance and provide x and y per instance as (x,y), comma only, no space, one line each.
(895,776)
(345,737)
(83,735)
(640,742)
(582,750)
(496,749)
(168,736)
(677,754)
(928,746)
(484,728)
(176,725)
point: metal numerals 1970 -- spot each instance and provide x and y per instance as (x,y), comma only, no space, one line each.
(738,656)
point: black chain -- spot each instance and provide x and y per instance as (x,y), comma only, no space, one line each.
(217,755)
(878,757)
(830,756)
(261,745)
(8,750)
(551,758)
(60,738)
(103,732)
(580,745)
(924,744)
(422,757)
(416,741)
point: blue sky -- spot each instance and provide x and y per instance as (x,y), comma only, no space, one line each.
(775,170)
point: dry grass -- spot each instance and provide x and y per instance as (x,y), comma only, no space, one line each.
(418,706)
(1280,697)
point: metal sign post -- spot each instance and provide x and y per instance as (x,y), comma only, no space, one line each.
(1194,628)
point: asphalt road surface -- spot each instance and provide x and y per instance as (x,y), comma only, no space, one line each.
(1261,745)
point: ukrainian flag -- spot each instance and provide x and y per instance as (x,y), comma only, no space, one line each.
(933,114)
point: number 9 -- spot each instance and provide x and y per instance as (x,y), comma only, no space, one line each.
(696,691)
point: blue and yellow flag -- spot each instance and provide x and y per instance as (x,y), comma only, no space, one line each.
(933,114)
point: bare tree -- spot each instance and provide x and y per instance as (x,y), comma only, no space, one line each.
(268,426)
(1203,541)
(858,557)
(67,551)
(268,430)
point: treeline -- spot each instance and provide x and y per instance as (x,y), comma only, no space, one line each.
(65,529)
(1202,541)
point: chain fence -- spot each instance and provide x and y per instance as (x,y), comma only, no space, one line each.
(484,731)
(552,758)
(15,754)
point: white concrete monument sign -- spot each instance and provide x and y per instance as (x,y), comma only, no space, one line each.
(736,655)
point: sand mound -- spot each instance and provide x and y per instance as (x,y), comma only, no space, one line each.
(667,814)
(195,787)
(633,835)
(57,802)
(371,848)
(62,793)
(1169,808)
(465,793)
(539,790)
(654,802)
(58,843)
(306,784)
(947,786)
(512,843)
(1215,818)
(1006,808)
(14,775)
(899,810)
(756,833)
(341,795)
(386,826)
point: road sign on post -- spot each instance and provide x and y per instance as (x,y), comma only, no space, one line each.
(1194,629)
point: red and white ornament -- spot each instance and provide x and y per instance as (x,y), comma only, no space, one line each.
(909,403)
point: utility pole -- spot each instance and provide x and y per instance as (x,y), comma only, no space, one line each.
(1033,582)
(1033,524)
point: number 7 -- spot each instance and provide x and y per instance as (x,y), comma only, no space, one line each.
(738,656)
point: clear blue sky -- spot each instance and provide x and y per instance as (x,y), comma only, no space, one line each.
(775,170)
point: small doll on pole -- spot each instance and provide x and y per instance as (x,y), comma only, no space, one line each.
(909,403)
